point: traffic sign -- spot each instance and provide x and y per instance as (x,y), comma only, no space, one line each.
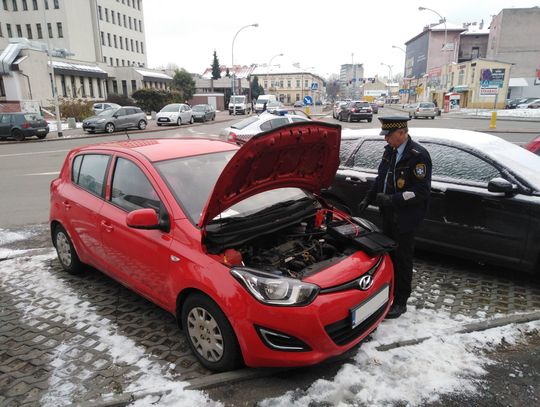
(308,101)
(314,86)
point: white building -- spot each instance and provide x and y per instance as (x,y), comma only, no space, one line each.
(98,47)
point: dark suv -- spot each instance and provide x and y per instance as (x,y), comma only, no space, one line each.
(21,125)
(355,111)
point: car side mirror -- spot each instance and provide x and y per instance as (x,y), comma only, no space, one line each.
(501,185)
(115,116)
(146,218)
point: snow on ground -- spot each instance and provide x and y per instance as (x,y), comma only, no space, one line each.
(445,362)
(524,113)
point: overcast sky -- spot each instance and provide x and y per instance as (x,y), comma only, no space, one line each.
(321,36)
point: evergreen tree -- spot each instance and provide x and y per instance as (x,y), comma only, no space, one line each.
(216,72)
(184,83)
(256,89)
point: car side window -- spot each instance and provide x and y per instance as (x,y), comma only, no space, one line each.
(131,189)
(5,119)
(369,155)
(451,163)
(91,172)
(97,106)
(346,149)
(121,112)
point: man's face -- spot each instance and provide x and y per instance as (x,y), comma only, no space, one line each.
(396,138)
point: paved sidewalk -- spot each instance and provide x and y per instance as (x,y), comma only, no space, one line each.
(92,341)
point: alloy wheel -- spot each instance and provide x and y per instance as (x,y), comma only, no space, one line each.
(205,334)
(63,248)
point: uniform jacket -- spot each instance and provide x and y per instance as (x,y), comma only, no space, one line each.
(412,177)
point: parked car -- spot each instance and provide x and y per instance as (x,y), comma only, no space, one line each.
(422,109)
(356,110)
(101,106)
(232,241)
(513,103)
(263,100)
(21,125)
(534,146)
(298,103)
(535,105)
(175,113)
(124,117)
(239,105)
(485,193)
(203,112)
(528,103)
(374,107)
(275,106)
(380,102)
(245,129)
(337,108)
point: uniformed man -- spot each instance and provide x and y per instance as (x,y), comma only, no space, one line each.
(402,192)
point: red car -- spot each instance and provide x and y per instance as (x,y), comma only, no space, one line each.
(235,242)
(534,146)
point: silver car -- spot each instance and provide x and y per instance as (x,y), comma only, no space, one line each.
(124,117)
(102,106)
(175,113)
(422,109)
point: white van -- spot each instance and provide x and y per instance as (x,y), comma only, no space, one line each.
(239,105)
(261,100)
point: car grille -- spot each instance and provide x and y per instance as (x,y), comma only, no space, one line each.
(341,333)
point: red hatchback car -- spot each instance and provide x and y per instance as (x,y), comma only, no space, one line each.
(534,146)
(235,242)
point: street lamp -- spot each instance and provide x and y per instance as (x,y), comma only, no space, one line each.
(269,64)
(443,20)
(232,62)
(302,80)
(389,70)
(401,49)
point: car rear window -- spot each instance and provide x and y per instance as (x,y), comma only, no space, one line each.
(362,104)
(244,123)
(427,105)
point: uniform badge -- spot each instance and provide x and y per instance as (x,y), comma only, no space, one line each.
(400,183)
(420,171)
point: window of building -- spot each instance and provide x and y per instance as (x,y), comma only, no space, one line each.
(102,38)
(138,4)
(73,87)
(15,8)
(109,39)
(111,61)
(105,59)
(91,87)
(140,25)
(127,44)
(133,85)
(25,5)
(8,28)
(475,54)
(1,33)
(60,30)
(123,62)
(132,47)
(142,49)
(288,83)
(49,29)
(117,62)
(118,19)
(106,14)
(137,45)
(46,2)
(100,92)
(2,88)
(129,19)
(83,88)
(113,18)
(63,84)
(129,1)
(115,41)
(34,4)
(298,83)
(100,16)
(19,30)
(89,172)
(39,31)
(115,87)
(306,83)
(125,25)
(121,42)
(4,2)
(29,31)
(56,4)
(124,88)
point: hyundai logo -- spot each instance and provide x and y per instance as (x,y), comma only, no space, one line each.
(365,282)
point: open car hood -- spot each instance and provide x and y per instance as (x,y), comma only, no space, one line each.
(302,155)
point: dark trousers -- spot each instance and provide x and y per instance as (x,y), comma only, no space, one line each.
(402,257)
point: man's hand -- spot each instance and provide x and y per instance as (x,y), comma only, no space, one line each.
(362,207)
(383,199)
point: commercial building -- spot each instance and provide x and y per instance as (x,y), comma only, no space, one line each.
(350,80)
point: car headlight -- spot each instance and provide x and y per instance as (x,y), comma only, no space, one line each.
(275,290)
(100,121)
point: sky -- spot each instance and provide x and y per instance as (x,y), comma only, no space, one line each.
(446,362)
(320,35)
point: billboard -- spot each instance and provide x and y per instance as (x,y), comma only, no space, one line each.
(492,78)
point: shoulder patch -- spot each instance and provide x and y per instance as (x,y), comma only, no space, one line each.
(420,171)
(415,152)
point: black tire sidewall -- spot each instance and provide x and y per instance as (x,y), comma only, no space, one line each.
(232,357)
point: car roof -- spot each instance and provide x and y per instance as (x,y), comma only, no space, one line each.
(165,149)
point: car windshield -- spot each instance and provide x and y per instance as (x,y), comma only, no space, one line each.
(108,112)
(244,123)
(237,99)
(198,108)
(361,104)
(192,179)
(33,116)
(171,108)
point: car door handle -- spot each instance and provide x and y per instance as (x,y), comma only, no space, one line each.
(353,179)
(107,226)
(67,205)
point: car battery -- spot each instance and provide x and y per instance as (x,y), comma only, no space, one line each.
(372,242)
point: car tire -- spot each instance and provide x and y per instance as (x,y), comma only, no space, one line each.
(213,117)
(432,117)
(42,136)
(349,118)
(340,117)
(69,260)
(17,135)
(369,120)
(142,125)
(410,116)
(203,119)
(179,121)
(209,334)
(191,120)
(109,128)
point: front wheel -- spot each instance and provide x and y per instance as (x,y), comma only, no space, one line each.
(142,125)
(69,260)
(349,118)
(191,120)
(18,135)
(179,122)
(42,136)
(209,334)
(109,128)
(369,120)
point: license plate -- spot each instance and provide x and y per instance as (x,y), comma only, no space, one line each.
(161,119)
(41,130)
(363,311)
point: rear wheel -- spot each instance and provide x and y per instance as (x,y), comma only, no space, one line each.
(369,120)
(69,259)
(42,136)
(209,334)
(142,125)
(432,117)
(179,122)
(109,128)
(191,120)
(17,135)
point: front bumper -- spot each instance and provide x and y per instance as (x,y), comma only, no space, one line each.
(93,126)
(361,115)
(320,330)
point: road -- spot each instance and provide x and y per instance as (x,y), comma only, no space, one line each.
(28,168)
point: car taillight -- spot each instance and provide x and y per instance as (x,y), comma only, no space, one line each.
(26,125)
(231,137)
(417,109)
(353,110)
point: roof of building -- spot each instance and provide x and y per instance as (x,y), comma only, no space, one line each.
(441,27)
(240,72)
(72,68)
(153,75)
